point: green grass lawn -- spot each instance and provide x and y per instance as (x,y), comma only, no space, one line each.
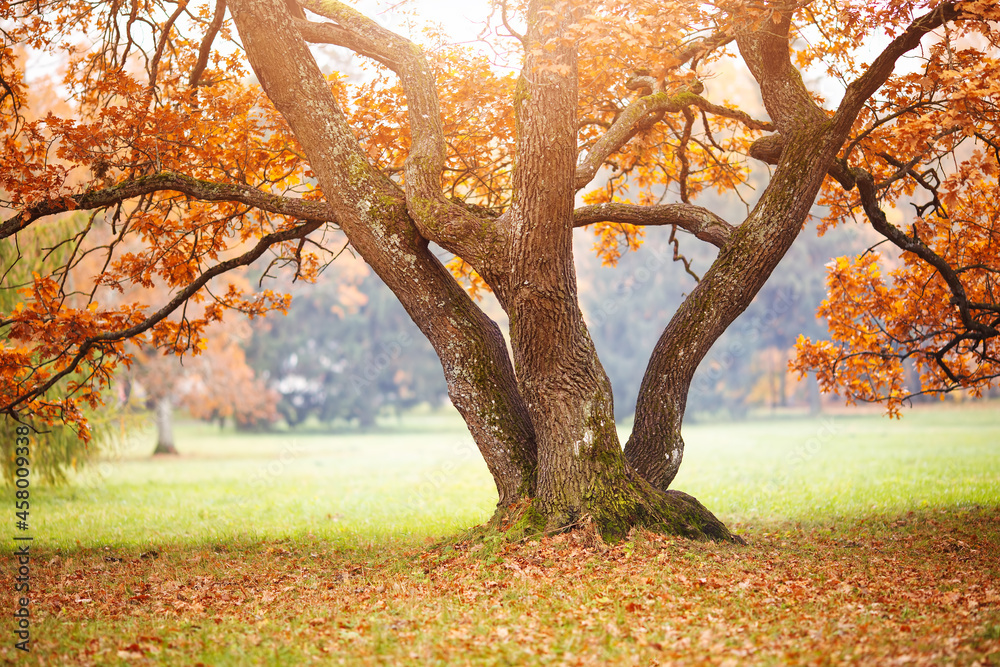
(425,478)
(870,542)
(845,466)
(349,489)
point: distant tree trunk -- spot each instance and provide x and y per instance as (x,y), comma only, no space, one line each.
(913,384)
(772,384)
(783,383)
(165,427)
(366,417)
(815,398)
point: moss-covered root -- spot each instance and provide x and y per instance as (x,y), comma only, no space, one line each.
(667,512)
(690,516)
(516,521)
(670,512)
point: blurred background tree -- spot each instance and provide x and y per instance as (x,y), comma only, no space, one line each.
(56,449)
(346,352)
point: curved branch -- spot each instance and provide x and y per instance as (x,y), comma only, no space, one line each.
(861,89)
(699,221)
(437,218)
(503,17)
(169,181)
(368,206)
(696,49)
(206,44)
(367,45)
(179,299)
(769,148)
(167,27)
(634,118)
(766,53)
(867,190)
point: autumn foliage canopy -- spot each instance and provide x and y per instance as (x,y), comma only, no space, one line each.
(173,167)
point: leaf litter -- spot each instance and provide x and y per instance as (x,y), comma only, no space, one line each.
(917,589)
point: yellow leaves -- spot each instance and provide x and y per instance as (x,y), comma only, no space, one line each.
(350,299)
(477,118)
(611,237)
(123,126)
(467,276)
(882,322)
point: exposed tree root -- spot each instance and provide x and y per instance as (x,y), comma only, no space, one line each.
(668,513)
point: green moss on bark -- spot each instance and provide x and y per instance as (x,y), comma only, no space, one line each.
(670,512)
(614,515)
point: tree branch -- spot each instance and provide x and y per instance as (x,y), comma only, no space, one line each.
(169,181)
(634,117)
(767,55)
(860,90)
(164,38)
(769,148)
(696,220)
(206,43)
(179,299)
(437,218)
(699,47)
(867,190)
(743,265)
(370,211)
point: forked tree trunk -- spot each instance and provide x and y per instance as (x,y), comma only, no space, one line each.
(544,426)
(582,472)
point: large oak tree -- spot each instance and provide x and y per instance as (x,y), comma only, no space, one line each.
(189,171)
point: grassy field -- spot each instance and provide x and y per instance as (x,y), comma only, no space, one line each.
(870,542)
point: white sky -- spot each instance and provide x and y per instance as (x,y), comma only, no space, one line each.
(463,19)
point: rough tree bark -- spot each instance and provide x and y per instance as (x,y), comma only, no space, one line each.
(804,151)
(545,423)
(372,211)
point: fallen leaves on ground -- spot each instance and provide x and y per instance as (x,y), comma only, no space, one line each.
(919,589)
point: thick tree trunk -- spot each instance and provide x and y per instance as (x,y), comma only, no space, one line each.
(568,394)
(582,472)
(548,435)
(373,213)
(809,142)
(164,427)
